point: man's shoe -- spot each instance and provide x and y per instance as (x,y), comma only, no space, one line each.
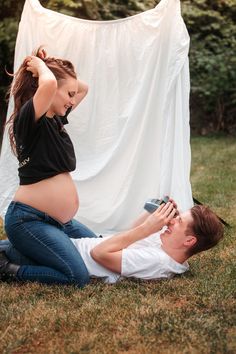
(8,271)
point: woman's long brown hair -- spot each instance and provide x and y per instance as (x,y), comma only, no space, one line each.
(24,86)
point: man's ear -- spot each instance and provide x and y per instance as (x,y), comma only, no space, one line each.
(190,241)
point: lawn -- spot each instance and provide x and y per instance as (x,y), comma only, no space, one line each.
(194,313)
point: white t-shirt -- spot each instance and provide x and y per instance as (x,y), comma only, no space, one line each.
(144,259)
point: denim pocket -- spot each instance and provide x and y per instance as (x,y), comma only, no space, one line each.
(15,224)
(27,216)
(18,214)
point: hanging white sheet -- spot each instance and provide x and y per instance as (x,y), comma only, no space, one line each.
(131,133)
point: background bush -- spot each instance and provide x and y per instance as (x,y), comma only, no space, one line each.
(211,25)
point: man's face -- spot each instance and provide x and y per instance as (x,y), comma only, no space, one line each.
(175,235)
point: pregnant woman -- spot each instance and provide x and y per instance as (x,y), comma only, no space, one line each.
(39,221)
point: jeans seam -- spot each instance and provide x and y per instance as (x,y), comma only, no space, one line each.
(57,256)
(39,273)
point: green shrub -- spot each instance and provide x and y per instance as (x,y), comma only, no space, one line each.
(211,25)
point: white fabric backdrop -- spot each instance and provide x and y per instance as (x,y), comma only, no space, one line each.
(131,133)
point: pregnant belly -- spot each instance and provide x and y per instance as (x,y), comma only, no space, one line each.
(57,196)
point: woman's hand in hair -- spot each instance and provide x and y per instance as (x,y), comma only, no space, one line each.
(42,54)
(34,65)
(47,85)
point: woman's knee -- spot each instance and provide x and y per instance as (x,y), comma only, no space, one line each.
(77,272)
(78,279)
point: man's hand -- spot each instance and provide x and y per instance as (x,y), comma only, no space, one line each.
(109,252)
(160,218)
(175,206)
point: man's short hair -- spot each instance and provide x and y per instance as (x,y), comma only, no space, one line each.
(206,227)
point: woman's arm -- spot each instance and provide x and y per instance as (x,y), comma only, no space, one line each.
(47,85)
(81,93)
(109,252)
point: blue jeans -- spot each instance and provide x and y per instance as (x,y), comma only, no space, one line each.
(45,242)
(13,255)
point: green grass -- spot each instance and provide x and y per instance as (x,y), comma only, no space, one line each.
(194,313)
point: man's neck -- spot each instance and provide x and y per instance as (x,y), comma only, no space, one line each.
(177,254)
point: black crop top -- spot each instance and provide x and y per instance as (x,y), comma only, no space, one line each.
(43,146)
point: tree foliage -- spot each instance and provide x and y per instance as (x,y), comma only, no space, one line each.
(211,25)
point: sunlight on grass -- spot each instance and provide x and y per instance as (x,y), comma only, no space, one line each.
(193,313)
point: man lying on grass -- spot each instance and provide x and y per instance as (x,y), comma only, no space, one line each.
(157,246)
